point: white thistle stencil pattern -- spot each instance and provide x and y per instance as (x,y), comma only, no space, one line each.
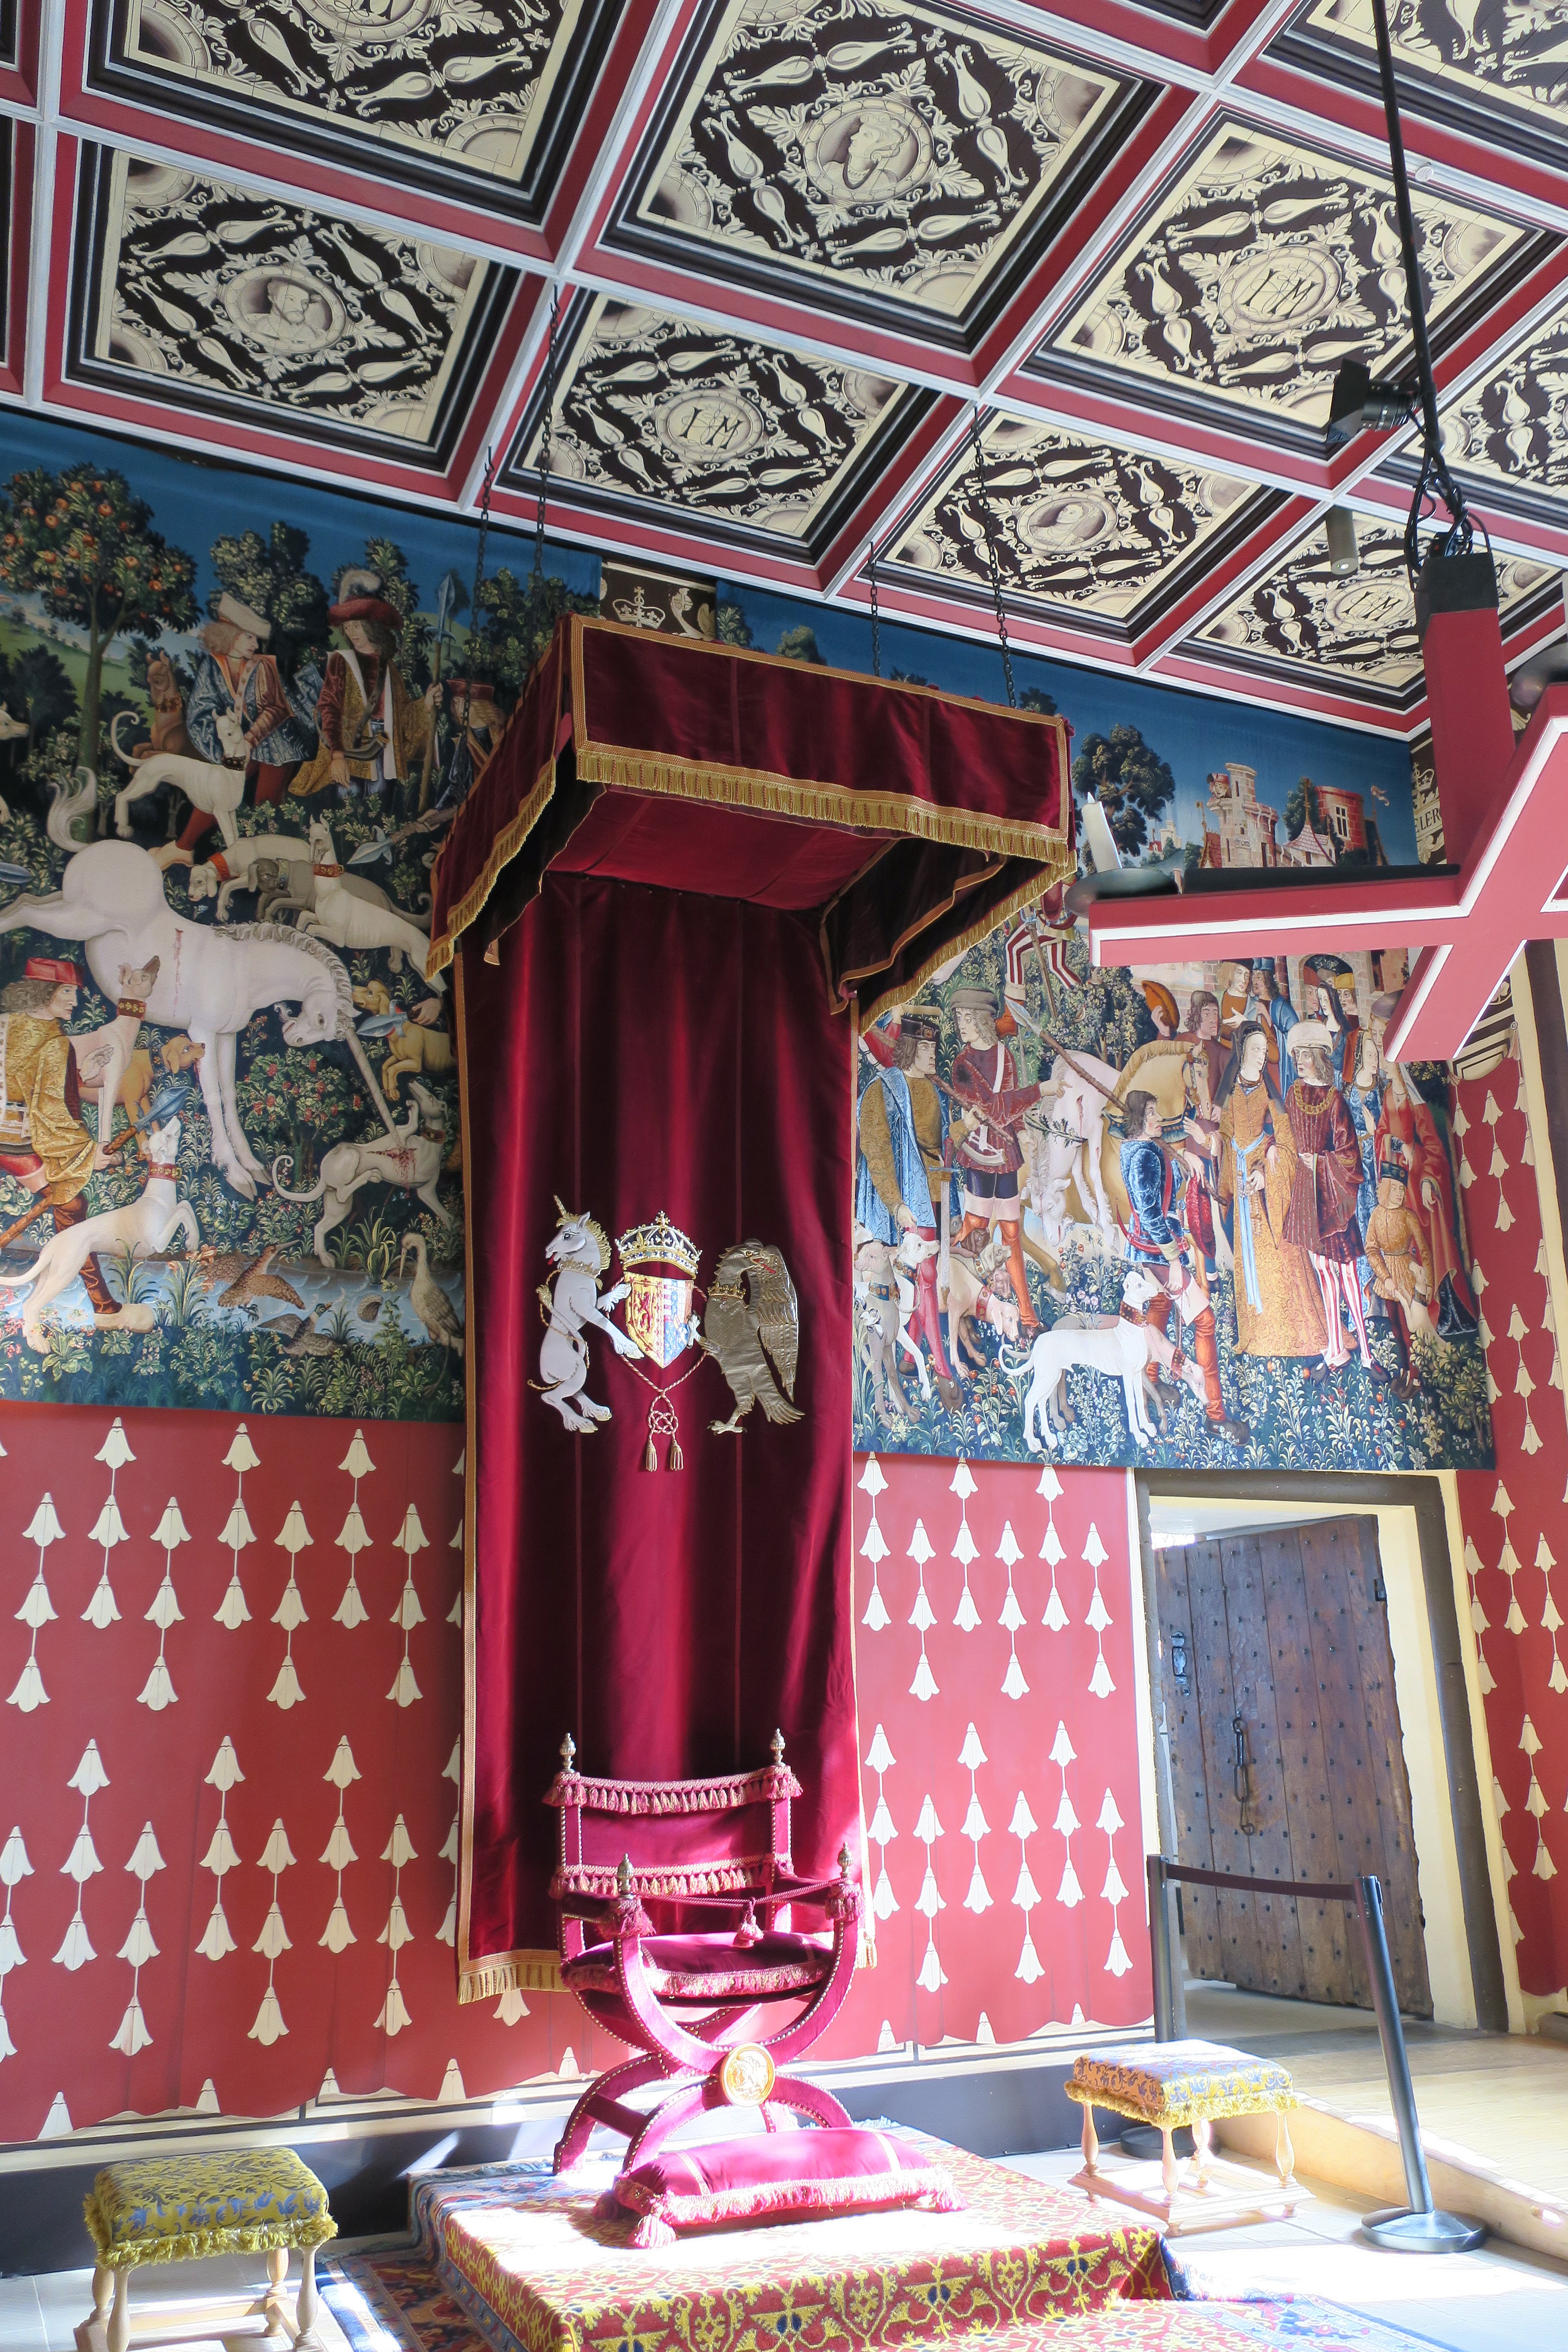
(1098,1616)
(1025,1894)
(922,1615)
(110,1528)
(1114,1892)
(931,1976)
(37,1609)
(1063,1753)
(354,1537)
(273,1940)
(14,1867)
(139,1948)
(880,1759)
(82,1862)
(971,1756)
(410,1537)
(1053,1551)
(158,1692)
(291,1612)
(875,1547)
(964,1548)
(1011,1617)
(222,1855)
(343,1772)
(392,2015)
(238,1530)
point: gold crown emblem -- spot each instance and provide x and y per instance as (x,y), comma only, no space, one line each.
(659,1243)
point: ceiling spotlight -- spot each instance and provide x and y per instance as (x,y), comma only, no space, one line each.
(1357,404)
(1344,556)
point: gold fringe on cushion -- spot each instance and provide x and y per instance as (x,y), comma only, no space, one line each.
(503,849)
(192,2245)
(508,1972)
(812,802)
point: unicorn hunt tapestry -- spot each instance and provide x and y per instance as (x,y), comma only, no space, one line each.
(1194,1217)
(237,714)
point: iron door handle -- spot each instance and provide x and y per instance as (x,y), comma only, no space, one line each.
(1242,1777)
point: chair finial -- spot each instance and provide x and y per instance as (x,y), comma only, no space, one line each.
(844,1863)
(568,1752)
(775,1747)
(624,1878)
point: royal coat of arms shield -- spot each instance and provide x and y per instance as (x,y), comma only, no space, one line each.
(659,1263)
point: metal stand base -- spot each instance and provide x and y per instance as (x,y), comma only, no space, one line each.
(1400,2231)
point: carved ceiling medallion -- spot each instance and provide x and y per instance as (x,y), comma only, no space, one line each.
(898,150)
(468,85)
(1094,528)
(657,408)
(241,298)
(1258,271)
(1299,617)
(1500,66)
(1511,431)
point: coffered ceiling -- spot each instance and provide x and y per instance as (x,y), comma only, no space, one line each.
(799,247)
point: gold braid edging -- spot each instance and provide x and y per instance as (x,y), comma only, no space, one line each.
(509,1972)
(1234,2100)
(503,849)
(192,2245)
(1062,867)
(812,802)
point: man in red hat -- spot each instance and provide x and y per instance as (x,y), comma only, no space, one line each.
(44,1147)
(475,712)
(372,732)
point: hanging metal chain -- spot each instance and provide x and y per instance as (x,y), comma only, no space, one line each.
(876,614)
(475,620)
(989,523)
(544,435)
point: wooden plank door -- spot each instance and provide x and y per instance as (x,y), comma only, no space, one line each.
(1286,1757)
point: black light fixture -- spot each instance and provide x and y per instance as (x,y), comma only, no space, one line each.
(1344,555)
(1360,404)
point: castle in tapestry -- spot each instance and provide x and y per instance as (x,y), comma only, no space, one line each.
(1194,1218)
(230,1163)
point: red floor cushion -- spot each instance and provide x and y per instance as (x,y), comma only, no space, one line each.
(710,1968)
(785,2176)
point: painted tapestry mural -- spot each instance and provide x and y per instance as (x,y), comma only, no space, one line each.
(237,715)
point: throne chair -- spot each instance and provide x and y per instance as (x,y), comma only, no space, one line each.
(689,1898)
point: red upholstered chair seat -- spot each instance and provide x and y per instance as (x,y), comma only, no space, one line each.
(712,1968)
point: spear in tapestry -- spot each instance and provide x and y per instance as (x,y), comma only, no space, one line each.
(446,596)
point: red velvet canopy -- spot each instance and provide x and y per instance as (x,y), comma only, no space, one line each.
(909,822)
(714,852)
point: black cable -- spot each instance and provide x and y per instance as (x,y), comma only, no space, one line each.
(876,615)
(544,436)
(988,524)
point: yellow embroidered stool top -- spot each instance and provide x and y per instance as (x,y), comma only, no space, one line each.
(1172,2083)
(179,2208)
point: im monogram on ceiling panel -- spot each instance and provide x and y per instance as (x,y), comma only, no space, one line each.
(272,302)
(894,149)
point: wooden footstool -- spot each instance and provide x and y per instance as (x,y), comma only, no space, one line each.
(179,2209)
(1172,2083)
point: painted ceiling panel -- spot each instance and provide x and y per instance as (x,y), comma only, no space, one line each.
(868,152)
(1490,67)
(1099,531)
(445,92)
(1509,434)
(1261,265)
(232,301)
(655,409)
(1299,620)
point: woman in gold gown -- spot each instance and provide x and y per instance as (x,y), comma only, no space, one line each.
(1277,1309)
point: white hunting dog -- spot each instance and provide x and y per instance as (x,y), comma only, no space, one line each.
(217,792)
(145,1227)
(1115,1347)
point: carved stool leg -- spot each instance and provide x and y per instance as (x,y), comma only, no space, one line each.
(272,2302)
(1168,2172)
(102,2294)
(120,2318)
(1202,2149)
(1284,2154)
(1091,2140)
(308,2302)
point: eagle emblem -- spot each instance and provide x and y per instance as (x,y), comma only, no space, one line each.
(751,1322)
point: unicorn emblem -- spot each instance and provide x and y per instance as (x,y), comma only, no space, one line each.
(570,1301)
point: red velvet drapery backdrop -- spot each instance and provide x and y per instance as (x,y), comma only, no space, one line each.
(637,1050)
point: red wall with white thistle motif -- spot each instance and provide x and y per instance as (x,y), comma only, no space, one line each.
(1516,1522)
(111,2036)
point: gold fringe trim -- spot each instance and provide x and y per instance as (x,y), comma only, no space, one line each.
(1063,868)
(509,1972)
(503,849)
(194,2245)
(814,803)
